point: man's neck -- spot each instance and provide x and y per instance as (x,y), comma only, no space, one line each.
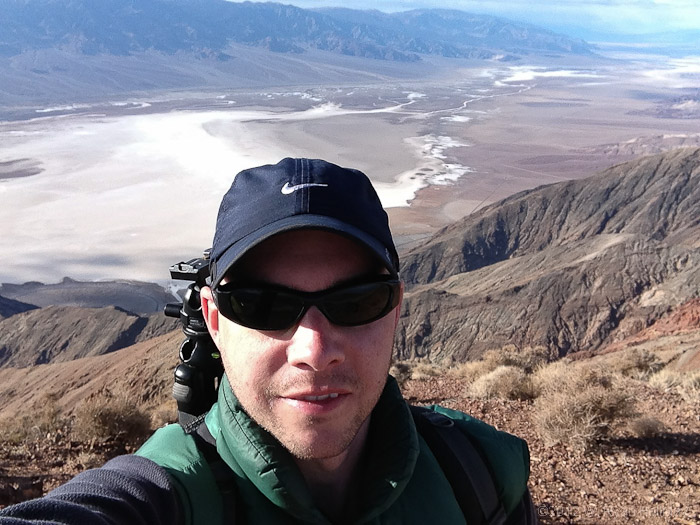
(333,481)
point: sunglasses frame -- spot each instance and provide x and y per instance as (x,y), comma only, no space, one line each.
(223,296)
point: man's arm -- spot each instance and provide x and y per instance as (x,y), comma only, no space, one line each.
(129,490)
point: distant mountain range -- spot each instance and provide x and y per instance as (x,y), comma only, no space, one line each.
(125,27)
(66,49)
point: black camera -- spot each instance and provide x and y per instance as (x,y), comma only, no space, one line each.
(199,372)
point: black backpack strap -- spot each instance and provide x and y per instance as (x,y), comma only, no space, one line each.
(463,466)
(224,476)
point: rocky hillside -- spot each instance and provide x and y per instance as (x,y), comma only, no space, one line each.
(570,266)
(143,372)
(64,333)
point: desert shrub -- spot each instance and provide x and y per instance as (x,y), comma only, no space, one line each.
(423,370)
(636,363)
(505,382)
(578,405)
(405,370)
(13,431)
(687,384)
(499,357)
(646,427)
(471,370)
(690,387)
(563,373)
(106,415)
(666,379)
(528,359)
(401,371)
(42,420)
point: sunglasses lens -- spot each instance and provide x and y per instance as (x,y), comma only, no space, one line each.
(265,309)
(359,304)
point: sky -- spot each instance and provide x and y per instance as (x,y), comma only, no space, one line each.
(605,16)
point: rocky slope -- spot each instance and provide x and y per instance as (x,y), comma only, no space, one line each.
(143,372)
(58,322)
(63,333)
(570,266)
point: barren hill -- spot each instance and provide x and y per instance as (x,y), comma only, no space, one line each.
(63,333)
(570,266)
(143,372)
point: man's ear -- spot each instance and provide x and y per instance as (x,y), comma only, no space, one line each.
(210,312)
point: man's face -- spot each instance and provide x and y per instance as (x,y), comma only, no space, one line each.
(314,385)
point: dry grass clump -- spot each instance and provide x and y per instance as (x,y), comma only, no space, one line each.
(687,384)
(424,370)
(504,382)
(85,460)
(42,420)
(471,370)
(646,427)
(402,371)
(106,416)
(636,363)
(578,405)
(526,359)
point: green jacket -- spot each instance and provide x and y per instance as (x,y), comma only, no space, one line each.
(402,484)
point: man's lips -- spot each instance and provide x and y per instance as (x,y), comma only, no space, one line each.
(320,398)
(315,395)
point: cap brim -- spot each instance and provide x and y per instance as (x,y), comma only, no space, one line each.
(298,222)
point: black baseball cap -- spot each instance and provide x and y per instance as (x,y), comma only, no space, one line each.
(299,194)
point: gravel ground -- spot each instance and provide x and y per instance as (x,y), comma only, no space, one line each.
(625,479)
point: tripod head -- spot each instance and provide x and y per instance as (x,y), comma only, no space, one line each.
(199,372)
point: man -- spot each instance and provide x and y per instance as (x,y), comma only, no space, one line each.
(309,427)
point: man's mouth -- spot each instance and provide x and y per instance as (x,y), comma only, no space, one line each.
(320,398)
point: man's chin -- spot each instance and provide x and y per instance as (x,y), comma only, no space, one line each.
(317,447)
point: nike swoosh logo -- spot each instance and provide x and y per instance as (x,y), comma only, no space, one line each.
(287,189)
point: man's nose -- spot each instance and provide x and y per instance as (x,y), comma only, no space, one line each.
(315,344)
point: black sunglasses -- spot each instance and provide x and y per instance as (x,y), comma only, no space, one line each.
(270,307)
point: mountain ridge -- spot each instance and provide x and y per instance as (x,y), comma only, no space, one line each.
(208,27)
(571,266)
(55,51)
(64,333)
